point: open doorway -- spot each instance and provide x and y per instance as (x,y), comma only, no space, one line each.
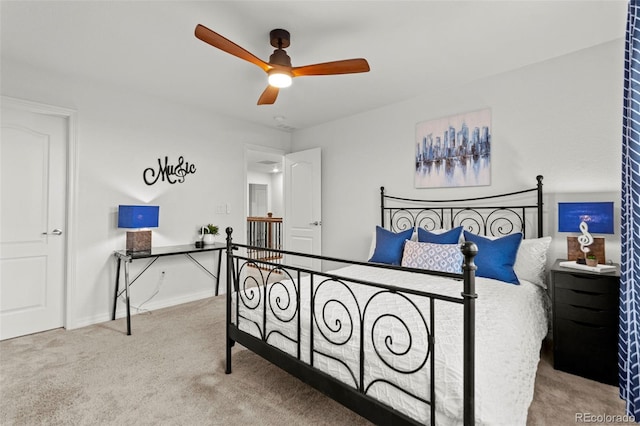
(264,182)
(293,196)
(264,203)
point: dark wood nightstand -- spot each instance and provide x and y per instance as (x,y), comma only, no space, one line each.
(585,322)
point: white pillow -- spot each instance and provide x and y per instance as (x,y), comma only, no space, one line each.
(531,260)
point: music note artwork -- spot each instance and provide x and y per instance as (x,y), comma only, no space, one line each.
(585,239)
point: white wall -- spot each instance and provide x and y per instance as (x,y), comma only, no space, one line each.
(258,178)
(561,119)
(277,194)
(121,133)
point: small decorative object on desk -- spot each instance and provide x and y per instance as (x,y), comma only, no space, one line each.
(208,233)
(591,260)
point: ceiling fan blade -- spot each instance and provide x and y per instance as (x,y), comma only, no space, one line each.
(216,40)
(269,95)
(347,66)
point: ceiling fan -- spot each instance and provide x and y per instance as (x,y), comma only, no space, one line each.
(279,66)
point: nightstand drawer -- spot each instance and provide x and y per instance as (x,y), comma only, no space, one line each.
(589,351)
(577,333)
(585,298)
(591,283)
(593,316)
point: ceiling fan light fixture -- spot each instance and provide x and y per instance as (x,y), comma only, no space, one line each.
(279,79)
(279,66)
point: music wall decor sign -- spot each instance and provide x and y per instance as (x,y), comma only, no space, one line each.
(172,173)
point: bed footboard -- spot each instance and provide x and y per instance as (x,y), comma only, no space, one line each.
(332,330)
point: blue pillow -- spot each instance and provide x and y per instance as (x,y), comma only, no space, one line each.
(452,236)
(495,258)
(389,246)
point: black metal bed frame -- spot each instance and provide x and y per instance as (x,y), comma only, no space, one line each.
(493,220)
(281,303)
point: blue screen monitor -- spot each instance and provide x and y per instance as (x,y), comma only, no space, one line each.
(138,217)
(597,215)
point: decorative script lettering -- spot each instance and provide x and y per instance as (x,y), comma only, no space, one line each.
(168,172)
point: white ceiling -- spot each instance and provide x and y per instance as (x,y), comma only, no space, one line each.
(413,47)
(264,162)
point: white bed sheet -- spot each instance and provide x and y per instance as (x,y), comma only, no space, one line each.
(511,322)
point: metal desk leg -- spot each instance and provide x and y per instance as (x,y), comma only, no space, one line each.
(126,292)
(218,274)
(115,296)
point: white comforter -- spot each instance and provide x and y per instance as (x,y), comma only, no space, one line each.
(511,322)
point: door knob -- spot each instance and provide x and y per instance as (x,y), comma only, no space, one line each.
(54,232)
(316,223)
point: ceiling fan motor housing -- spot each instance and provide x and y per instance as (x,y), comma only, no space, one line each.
(280,57)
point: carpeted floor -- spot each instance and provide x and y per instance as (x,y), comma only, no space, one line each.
(171,372)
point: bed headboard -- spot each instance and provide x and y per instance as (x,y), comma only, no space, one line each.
(493,215)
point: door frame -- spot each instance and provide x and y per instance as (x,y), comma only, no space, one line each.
(70,115)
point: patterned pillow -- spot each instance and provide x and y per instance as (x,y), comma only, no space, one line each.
(434,257)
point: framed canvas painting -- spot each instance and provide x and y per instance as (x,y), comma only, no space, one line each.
(454,151)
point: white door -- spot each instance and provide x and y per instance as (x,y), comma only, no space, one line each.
(32,235)
(303,197)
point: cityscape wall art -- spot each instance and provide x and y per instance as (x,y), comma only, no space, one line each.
(454,151)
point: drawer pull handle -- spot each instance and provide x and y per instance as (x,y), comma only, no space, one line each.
(587,308)
(587,324)
(585,292)
(584,277)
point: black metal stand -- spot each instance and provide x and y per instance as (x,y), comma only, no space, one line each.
(154,254)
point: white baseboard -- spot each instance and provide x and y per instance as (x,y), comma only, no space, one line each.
(121,310)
